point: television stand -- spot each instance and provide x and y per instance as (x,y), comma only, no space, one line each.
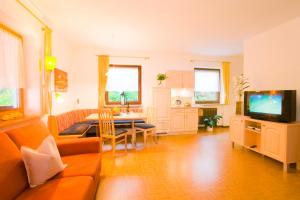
(280,141)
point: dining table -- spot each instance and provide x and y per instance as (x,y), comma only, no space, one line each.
(125,119)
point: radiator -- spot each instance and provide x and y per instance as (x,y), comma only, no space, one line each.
(206,112)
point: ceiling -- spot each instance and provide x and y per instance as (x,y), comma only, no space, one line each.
(206,27)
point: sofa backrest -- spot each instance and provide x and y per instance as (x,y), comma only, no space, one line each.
(30,135)
(13,178)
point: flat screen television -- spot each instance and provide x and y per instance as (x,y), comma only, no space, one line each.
(273,105)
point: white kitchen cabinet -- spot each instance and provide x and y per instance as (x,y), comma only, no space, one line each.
(161,104)
(184,120)
(191,119)
(174,79)
(177,120)
(180,79)
(188,79)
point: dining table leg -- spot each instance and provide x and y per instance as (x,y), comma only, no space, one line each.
(133,140)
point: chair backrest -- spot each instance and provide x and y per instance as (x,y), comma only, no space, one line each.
(106,122)
(150,115)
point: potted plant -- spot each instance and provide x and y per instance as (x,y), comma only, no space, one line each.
(211,122)
(161,77)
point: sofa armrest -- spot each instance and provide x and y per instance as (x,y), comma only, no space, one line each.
(78,146)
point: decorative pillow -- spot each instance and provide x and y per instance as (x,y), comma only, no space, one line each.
(43,163)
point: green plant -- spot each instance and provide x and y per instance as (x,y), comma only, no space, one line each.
(161,77)
(211,121)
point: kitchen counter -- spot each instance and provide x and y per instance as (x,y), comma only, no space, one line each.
(182,107)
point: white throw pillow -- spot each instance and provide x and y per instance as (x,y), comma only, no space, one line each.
(43,163)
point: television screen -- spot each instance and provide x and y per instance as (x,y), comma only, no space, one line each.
(266,103)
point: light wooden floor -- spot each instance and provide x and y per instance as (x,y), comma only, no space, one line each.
(195,167)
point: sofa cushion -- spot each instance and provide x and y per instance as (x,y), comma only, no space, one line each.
(67,119)
(90,122)
(13,178)
(43,163)
(30,135)
(75,129)
(73,188)
(81,165)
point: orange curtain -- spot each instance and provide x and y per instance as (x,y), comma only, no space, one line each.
(103,65)
(46,74)
(226,81)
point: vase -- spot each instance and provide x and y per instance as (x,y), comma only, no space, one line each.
(161,84)
(210,129)
(238,108)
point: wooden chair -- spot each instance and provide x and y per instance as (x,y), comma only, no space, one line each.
(108,131)
(148,129)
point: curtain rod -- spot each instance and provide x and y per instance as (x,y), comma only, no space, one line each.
(138,57)
(32,13)
(199,60)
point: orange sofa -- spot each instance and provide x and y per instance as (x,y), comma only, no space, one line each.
(78,181)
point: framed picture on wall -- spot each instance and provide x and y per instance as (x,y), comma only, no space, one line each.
(60,80)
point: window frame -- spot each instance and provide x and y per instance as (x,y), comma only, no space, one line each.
(139,101)
(20,91)
(20,108)
(218,101)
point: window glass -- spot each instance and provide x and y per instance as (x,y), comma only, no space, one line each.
(207,85)
(11,69)
(126,80)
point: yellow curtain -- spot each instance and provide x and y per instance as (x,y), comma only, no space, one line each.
(103,65)
(226,80)
(46,74)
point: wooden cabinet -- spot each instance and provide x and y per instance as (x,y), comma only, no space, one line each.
(161,104)
(180,79)
(177,120)
(272,140)
(236,130)
(167,119)
(184,120)
(279,141)
(191,119)
(188,79)
(162,126)
(174,79)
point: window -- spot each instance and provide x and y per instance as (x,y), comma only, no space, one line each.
(123,78)
(11,67)
(207,85)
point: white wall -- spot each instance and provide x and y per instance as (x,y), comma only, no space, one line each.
(63,53)
(84,73)
(272,59)
(17,18)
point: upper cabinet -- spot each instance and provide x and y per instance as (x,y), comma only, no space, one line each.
(180,79)
(188,79)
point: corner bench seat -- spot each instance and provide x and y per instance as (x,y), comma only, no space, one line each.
(73,123)
(70,123)
(75,129)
